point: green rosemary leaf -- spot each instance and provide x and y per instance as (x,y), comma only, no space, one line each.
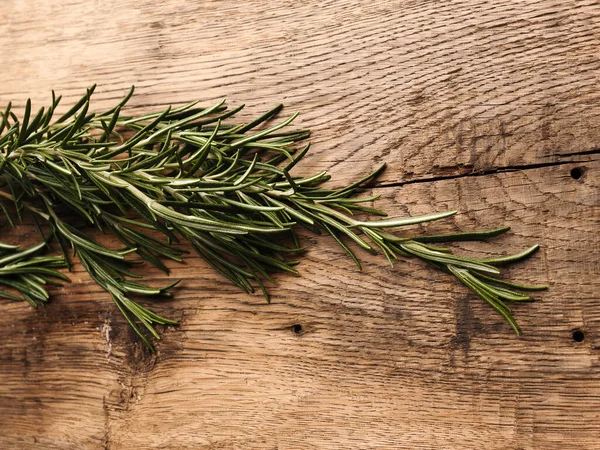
(522,287)
(373,175)
(266,116)
(5,116)
(492,300)
(118,106)
(9,296)
(19,255)
(512,258)
(133,325)
(466,236)
(344,246)
(400,222)
(23,132)
(33,126)
(77,105)
(81,119)
(444,258)
(262,133)
(108,129)
(343,229)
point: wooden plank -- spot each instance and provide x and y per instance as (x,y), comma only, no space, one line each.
(448,93)
(433,88)
(385,358)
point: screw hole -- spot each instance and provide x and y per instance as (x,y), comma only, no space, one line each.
(297,328)
(578,336)
(576,173)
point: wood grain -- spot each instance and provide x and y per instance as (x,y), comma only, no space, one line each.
(477,106)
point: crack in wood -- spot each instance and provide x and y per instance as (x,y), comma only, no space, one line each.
(480,173)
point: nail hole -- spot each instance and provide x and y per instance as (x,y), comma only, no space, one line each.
(297,328)
(576,173)
(578,336)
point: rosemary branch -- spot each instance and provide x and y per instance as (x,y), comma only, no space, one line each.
(187,174)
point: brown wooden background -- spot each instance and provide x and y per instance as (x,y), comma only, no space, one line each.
(481,106)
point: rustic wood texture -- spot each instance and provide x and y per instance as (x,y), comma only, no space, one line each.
(484,107)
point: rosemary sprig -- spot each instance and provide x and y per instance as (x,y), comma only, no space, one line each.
(187,174)
(27,273)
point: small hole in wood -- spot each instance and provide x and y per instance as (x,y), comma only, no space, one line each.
(576,173)
(578,336)
(297,328)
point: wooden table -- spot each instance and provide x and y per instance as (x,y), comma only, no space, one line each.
(490,108)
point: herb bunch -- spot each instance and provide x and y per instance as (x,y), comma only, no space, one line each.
(157,180)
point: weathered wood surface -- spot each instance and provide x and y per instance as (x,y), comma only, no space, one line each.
(476,106)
